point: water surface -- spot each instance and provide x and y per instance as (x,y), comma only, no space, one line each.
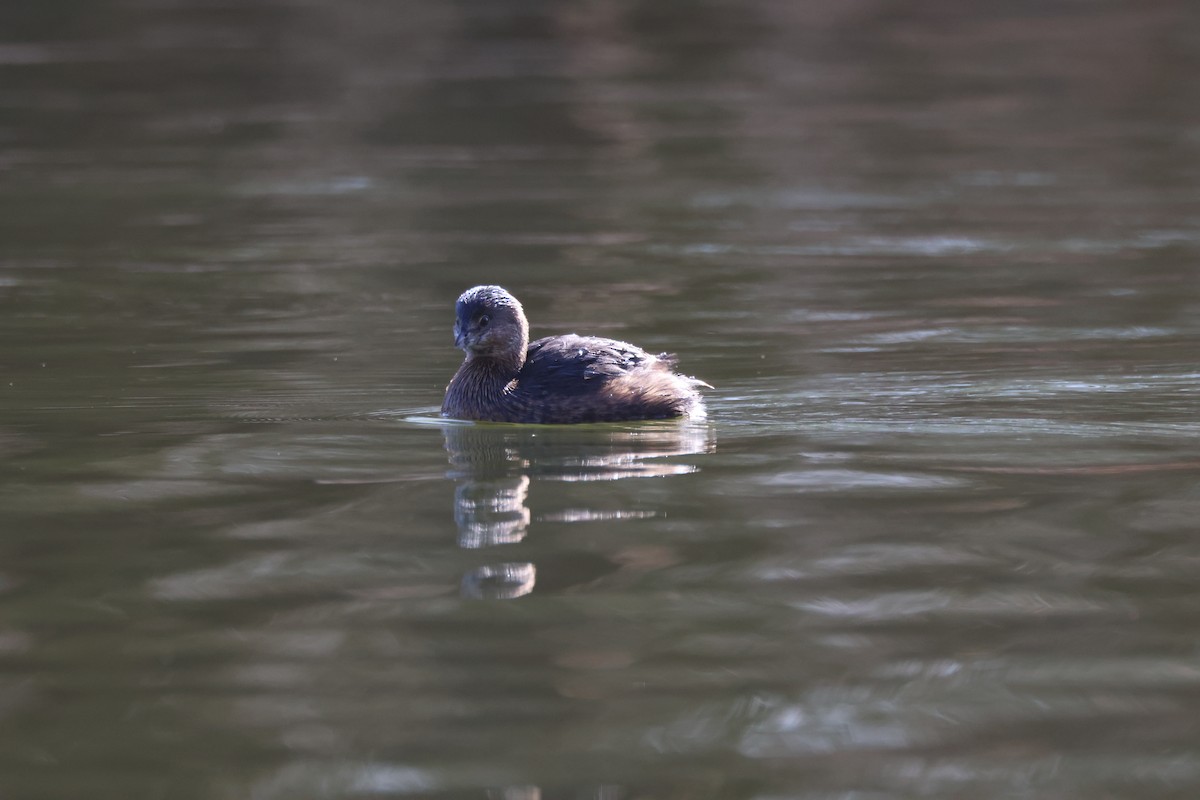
(936,537)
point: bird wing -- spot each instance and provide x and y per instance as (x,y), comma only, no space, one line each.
(578,365)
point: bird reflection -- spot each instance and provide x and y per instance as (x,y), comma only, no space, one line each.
(500,581)
(491,512)
(494,465)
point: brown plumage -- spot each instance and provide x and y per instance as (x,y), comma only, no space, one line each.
(559,379)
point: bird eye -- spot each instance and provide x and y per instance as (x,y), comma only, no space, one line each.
(484,320)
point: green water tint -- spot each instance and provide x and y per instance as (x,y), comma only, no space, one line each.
(936,537)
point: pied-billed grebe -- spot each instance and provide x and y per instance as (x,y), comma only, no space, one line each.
(559,379)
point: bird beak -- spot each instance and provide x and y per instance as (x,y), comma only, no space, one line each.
(460,340)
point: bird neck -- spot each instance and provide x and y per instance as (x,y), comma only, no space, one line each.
(479,389)
(492,369)
(506,350)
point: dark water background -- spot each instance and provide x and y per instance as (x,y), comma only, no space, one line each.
(939,537)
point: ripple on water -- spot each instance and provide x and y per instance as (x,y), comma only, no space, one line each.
(995,604)
(279,574)
(909,404)
(849,480)
(1058,673)
(869,559)
(306,779)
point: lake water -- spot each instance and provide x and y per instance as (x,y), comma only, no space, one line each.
(938,536)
